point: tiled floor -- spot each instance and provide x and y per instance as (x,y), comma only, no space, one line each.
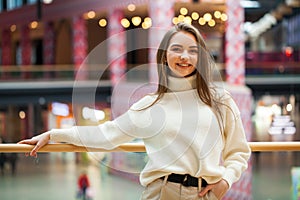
(53,178)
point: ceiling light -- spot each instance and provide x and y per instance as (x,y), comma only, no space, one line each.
(207,17)
(195,15)
(22,114)
(47,1)
(125,23)
(91,14)
(224,17)
(183,11)
(145,25)
(181,18)
(34,24)
(136,20)
(188,20)
(201,21)
(147,22)
(211,23)
(102,22)
(250,4)
(131,7)
(217,14)
(175,20)
(13,28)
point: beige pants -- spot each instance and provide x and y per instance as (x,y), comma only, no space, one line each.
(163,190)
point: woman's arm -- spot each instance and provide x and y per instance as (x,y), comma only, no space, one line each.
(107,135)
(236,150)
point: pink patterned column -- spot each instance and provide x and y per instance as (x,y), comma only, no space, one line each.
(235,44)
(116,45)
(25,51)
(243,98)
(48,51)
(80,46)
(235,76)
(6,52)
(161,13)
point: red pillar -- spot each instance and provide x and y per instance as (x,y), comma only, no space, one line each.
(235,77)
(25,44)
(116,46)
(48,48)
(6,53)
(80,47)
(161,13)
(235,44)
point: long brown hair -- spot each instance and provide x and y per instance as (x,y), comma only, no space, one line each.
(204,70)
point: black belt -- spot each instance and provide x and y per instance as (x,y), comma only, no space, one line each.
(185,180)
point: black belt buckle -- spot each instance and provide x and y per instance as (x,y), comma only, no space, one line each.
(189,181)
(185,180)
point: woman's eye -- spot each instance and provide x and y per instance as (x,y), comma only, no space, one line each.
(176,49)
(194,51)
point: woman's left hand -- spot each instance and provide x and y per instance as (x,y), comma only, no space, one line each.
(39,141)
(219,189)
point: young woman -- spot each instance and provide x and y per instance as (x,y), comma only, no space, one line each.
(192,130)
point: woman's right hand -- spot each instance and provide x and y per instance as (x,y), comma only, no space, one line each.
(39,141)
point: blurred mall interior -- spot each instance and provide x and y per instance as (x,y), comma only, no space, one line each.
(66,62)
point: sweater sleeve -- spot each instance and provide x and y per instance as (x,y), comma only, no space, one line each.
(132,124)
(236,150)
(107,135)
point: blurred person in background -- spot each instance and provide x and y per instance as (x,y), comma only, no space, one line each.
(83,185)
(191,128)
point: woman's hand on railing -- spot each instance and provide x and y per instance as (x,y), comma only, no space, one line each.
(39,141)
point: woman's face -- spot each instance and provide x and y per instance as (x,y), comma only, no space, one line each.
(182,54)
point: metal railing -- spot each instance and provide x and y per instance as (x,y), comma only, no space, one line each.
(139,147)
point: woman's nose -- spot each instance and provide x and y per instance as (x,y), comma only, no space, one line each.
(184,55)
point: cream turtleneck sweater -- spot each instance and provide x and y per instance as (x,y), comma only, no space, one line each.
(181,135)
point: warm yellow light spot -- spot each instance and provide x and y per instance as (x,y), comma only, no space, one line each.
(148,20)
(207,16)
(13,28)
(180,18)
(175,20)
(147,23)
(201,21)
(217,14)
(183,11)
(224,17)
(102,22)
(22,114)
(211,23)
(188,20)
(136,20)
(125,23)
(91,14)
(34,24)
(195,16)
(131,7)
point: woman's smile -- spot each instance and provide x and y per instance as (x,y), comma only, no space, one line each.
(184,65)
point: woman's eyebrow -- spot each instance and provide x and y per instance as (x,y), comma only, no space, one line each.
(179,45)
(176,45)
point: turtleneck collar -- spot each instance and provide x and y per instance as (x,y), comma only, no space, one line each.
(177,84)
